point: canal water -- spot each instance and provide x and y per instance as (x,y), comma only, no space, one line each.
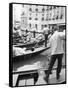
(39,61)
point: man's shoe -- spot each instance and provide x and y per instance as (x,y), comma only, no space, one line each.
(46,79)
(58,76)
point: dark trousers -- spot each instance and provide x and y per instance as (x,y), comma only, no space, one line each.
(46,38)
(59,64)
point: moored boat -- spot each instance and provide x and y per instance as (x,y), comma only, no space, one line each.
(28,53)
(29,44)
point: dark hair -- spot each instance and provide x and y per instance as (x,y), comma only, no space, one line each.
(45,25)
(56,28)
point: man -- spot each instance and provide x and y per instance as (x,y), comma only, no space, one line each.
(56,44)
(45,32)
(29,36)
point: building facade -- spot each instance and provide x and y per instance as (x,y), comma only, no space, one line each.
(34,17)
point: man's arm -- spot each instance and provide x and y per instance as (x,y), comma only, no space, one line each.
(62,35)
(49,42)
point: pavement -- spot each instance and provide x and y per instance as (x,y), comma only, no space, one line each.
(41,81)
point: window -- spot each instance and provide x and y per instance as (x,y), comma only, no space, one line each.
(30,14)
(61,16)
(30,18)
(42,18)
(30,25)
(36,26)
(42,26)
(47,17)
(50,8)
(30,9)
(42,14)
(56,17)
(36,9)
(54,7)
(47,8)
(43,9)
(50,16)
(23,5)
(23,13)
(53,18)
(36,14)
(36,18)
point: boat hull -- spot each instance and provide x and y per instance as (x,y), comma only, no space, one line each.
(29,55)
(29,44)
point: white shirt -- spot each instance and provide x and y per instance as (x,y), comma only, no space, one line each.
(29,36)
(46,30)
(56,43)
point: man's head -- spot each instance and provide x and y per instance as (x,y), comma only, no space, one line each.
(46,26)
(56,28)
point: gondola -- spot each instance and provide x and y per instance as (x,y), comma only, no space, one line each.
(31,52)
(29,44)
